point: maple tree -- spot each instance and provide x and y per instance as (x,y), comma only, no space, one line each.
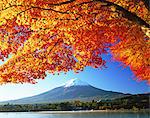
(61,35)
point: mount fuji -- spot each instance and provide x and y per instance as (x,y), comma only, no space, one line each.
(74,89)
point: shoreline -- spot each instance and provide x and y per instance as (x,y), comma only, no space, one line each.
(93,111)
(83,111)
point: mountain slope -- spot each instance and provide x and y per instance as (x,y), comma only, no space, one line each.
(73,90)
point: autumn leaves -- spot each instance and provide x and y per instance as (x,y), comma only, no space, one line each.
(58,36)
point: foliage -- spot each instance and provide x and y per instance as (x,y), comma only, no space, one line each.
(61,35)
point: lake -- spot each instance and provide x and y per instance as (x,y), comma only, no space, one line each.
(74,115)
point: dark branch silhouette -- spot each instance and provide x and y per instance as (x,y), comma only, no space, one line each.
(127,14)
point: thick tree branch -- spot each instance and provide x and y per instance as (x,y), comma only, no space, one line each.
(127,14)
(147,4)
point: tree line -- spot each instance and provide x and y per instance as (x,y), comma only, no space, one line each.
(134,102)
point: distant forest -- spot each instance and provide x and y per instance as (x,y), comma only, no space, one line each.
(134,102)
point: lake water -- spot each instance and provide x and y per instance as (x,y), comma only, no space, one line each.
(76,115)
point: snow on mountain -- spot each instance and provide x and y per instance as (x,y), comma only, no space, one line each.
(75,82)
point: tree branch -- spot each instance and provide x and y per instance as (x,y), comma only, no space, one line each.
(10,7)
(127,14)
(147,4)
(62,3)
(62,12)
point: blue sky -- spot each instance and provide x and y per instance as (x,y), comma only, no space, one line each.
(112,78)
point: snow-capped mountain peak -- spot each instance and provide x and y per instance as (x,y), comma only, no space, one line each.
(75,82)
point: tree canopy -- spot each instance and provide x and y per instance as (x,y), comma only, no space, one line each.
(60,35)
